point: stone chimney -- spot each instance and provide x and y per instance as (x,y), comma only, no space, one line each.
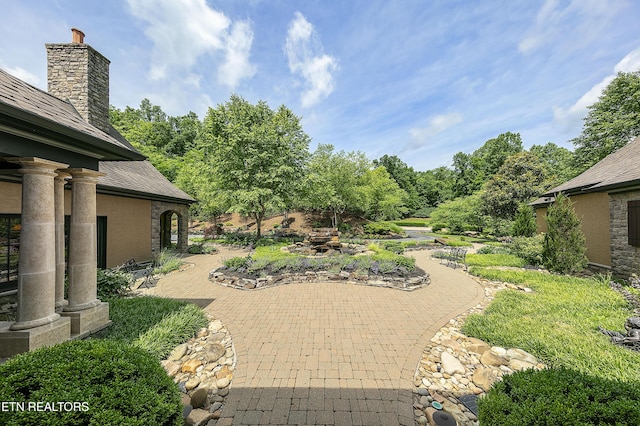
(78,73)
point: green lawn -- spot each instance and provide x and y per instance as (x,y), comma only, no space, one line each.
(558,322)
(494,260)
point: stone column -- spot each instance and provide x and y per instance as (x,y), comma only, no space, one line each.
(82,241)
(37,264)
(59,183)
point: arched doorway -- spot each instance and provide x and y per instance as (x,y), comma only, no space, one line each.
(169,229)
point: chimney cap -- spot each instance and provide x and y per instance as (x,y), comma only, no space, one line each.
(77,36)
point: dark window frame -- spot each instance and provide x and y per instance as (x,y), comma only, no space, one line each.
(633,222)
(9,249)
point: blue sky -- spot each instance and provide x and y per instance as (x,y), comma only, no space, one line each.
(418,79)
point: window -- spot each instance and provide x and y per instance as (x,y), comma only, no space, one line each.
(633,217)
(9,250)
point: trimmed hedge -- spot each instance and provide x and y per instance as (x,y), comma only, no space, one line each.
(112,383)
(382,228)
(560,397)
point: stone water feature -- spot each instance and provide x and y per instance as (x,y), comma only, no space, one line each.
(324,241)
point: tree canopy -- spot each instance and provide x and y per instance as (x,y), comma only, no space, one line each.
(612,122)
(259,156)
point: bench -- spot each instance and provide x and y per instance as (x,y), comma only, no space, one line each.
(142,270)
(454,256)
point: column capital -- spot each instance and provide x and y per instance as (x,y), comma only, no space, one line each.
(82,173)
(61,175)
(35,164)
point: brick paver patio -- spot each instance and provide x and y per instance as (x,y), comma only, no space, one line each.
(325,353)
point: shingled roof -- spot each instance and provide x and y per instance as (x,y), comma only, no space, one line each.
(619,169)
(139,179)
(22,101)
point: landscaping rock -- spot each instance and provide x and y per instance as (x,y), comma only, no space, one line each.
(197,417)
(493,359)
(214,352)
(191,366)
(178,352)
(199,398)
(451,364)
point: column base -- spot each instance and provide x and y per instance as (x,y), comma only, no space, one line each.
(88,321)
(13,342)
(61,305)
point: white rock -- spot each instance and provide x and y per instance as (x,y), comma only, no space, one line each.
(451,364)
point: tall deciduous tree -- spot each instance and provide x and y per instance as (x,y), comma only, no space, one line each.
(405,177)
(520,178)
(384,199)
(334,181)
(473,170)
(557,161)
(612,122)
(258,154)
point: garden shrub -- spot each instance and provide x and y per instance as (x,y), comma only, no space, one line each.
(524,224)
(564,245)
(560,397)
(528,248)
(167,261)
(438,227)
(382,228)
(490,249)
(113,283)
(393,246)
(113,383)
(238,263)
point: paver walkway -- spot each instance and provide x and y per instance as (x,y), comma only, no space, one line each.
(325,353)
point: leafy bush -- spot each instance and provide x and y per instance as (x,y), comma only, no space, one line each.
(493,249)
(113,283)
(238,263)
(559,397)
(424,212)
(115,383)
(393,246)
(201,249)
(564,245)
(438,226)
(528,248)
(382,228)
(461,214)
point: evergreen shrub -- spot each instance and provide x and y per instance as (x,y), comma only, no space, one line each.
(564,245)
(559,397)
(112,383)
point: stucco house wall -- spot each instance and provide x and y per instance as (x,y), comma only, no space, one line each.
(128,228)
(593,211)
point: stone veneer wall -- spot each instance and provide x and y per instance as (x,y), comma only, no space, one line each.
(79,73)
(625,259)
(159,207)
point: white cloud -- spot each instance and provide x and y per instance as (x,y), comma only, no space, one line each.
(184,30)
(237,65)
(579,20)
(436,125)
(22,74)
(305,53)
(569,117)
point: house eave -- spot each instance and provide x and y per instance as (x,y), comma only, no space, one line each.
(25,125)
